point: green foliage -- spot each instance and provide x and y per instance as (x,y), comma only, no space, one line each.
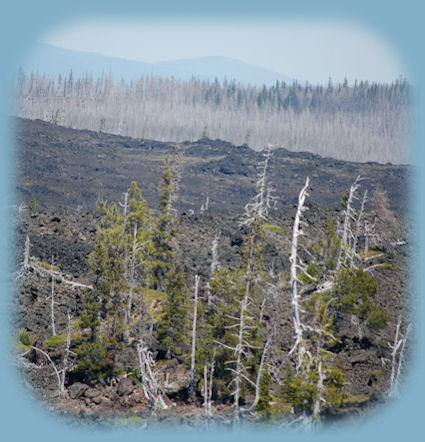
(102,124)
(317,307)
(154,301)
(300,391)
(132,421)
(90,348)
(326,249)
(165,229)
(376,318)
(355,290)
(311,274)
(32,204)
(173,327)
(263,405)
(225,291)
(92,362)
(55,341)
(23,337)
(48,266)
(278,230)
(218,333)
(344,199)
(90,318)
(385,266)
(111,260)
(24,340)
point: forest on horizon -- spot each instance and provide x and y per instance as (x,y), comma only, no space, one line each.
(360,122)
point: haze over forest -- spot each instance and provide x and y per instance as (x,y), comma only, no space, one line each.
(364,122)
(186,100)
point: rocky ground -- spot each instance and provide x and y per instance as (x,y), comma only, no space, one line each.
(70,168)
(68,171)
(363,354)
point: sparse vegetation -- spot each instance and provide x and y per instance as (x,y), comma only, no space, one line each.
(132,322)
(55,341)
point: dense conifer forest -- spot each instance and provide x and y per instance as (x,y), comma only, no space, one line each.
(355,122)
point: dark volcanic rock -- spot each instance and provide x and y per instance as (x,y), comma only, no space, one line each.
(125,387)
(76,168)
(69,169)
(76,390)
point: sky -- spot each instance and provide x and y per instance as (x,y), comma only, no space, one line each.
(306,50)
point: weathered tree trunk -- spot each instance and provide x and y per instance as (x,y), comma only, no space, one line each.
(294,277)
(192,358)
(260,372)
(396,365)
(148,379)
(132,271)
(357,231)
(52,304)
(67,350)
(207,391)
(347,216)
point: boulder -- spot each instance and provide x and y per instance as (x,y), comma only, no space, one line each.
(125,387)
(91,393)
(76,390)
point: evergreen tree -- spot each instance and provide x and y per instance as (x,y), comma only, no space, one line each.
(90,348)
(230,331)
(317,384)
(263,406)
(165,230)
(120,264)
(173,327)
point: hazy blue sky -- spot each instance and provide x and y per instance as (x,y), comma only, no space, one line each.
(305,49)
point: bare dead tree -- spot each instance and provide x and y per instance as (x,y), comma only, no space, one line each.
(215,265)
(148,379)
(397,357)
(192,357)
(260,372)
(124,205)
(349,214)
(206,391)
(368,233)
(67,353)
(242,326)
(55,369)
(60,374)
(255,211)
(52,304)
(205,206)
(239,350)
(259,205)
(134,249)
(295,266)
(177,168)
(25,264)
(353,253)
(319,391)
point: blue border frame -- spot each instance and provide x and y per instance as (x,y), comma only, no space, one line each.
(21,21)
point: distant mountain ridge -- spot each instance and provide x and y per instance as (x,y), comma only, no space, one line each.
(52,60)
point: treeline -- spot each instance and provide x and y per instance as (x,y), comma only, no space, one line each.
(360,122)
